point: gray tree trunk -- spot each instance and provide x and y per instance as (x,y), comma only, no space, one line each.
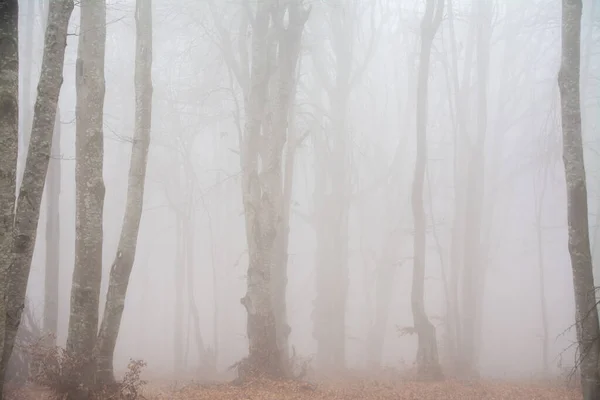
(179,290)
(539,209)
(124,259)
(267,110)
(89,203)
(428,366)
(473,255)
(26,103)
(36,166)
(51,280)
(52,196)
(586,315)
(9,137)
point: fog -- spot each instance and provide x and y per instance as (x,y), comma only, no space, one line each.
(194,171)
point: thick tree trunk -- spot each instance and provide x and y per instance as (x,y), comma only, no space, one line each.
(263,187)
(9,137)
(89,154)
(428,366)
(586,315)
(36,166)
(126,250)
(51,280)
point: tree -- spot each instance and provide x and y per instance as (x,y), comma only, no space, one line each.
(588,330)
(9,133)
(124,259)
(89,153)
(265,135)
(36,166)
(333,191)
(427,352)
(52,194)
(473,257)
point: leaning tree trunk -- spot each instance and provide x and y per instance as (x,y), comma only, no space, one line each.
(123,262)
(89,183)
(26,108)
(427,353)
(36,166)
(52,195)
(9,137)
(539,209)
(51,278)
(586,315)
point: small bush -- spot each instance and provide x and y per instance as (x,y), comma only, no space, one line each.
(62,374)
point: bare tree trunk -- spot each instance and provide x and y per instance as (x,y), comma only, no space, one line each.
(179,288)
(36,166)
(472,256)
(539,205)
(89,154)
(588,330)
(51,280)
(52,196)
(263,186)
(9,137)
(189,228)
(427,353)
(126,250)
(26,103)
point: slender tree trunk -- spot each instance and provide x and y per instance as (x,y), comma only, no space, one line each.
(36,166)
(52,196)
(540,255)
(190,279)
(126,250)
(427,353)
(588,330)
(473,278)
(26,103)
(51,280)
(179,288)
(384,285)
(89,154)
(9,137)
(459,133)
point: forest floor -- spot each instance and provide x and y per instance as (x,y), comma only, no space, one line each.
(356,389)
(368,390)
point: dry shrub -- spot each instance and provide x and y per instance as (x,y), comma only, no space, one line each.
(61,373)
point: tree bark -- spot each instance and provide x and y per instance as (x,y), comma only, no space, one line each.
(51,279)
(539,210)
(89,204)
(36,165)
(473,274)
(267,110)
(26,103)
(52,195)
(586,315)
(179,288)
(9,137)
(126,250)
(428,366)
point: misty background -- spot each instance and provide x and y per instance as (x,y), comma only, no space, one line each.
(194,168)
